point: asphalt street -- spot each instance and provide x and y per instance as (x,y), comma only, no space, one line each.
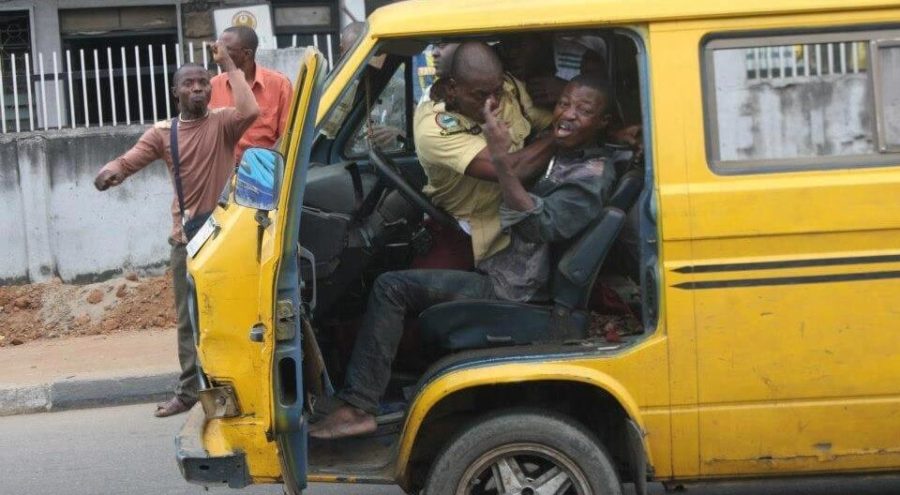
(124,450)
(113,450)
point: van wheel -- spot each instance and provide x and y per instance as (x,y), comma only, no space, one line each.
(523,452)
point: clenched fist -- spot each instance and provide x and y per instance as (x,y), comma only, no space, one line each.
(107,178)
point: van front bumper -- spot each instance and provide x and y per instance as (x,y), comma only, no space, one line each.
(195,463)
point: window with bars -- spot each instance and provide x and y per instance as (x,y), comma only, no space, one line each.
(813,60)
(15,45)
(806,101)
(15,36)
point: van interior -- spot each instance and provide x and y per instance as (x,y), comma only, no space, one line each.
(364,214)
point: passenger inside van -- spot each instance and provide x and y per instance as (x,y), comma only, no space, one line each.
(529,58)
(453,151)
(546,62)
(441,55)
(565,199)
(348,260)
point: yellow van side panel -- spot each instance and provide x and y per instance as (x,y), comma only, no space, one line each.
(486,16)
(643,399)
(673,219)
(795,359)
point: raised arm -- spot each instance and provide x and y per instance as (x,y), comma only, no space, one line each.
(244,101)
(557,216)
(524,164)
(505,166)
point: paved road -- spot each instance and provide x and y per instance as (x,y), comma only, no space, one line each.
(124,450)
(115,451)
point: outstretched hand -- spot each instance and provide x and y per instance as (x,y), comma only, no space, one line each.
(107,178)
(496,132)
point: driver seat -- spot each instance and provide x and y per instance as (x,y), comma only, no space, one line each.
(472,324)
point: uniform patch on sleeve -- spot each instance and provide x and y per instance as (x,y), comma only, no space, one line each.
(447,122)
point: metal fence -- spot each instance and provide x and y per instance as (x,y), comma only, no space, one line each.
(806,60)
(99,88)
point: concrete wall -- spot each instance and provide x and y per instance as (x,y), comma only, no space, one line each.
(56,223)
(284,60)
(792,117)
(13,262)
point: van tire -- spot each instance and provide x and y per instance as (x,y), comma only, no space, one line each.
(537,441)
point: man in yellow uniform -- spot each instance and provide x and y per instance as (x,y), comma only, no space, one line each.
(453,150)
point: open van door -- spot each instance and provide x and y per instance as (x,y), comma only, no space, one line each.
(288,424)
(244,303)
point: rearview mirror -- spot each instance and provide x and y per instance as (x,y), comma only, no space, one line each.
(259,178)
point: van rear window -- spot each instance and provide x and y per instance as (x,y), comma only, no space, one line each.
(802,102)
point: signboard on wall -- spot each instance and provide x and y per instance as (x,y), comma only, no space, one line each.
(258,17)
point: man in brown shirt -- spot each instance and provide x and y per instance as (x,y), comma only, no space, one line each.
(206,141)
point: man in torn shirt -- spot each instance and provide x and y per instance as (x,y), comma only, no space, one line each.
(568,197)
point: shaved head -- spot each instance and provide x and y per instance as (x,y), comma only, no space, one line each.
(474,59)
(476,75)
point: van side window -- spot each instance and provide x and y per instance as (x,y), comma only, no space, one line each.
(800,102)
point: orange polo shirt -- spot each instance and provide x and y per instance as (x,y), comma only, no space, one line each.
(273,94)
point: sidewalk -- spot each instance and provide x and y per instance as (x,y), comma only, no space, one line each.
(51,375)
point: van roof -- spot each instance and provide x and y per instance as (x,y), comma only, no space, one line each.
(461,16)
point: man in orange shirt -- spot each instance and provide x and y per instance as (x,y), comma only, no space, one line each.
(271,89)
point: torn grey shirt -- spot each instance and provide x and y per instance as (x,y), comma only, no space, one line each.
(567,199)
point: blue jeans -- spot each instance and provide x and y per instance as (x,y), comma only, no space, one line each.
(395,295)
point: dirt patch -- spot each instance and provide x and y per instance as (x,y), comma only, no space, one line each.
(54,309)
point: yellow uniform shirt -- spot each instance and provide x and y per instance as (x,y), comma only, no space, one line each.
(540,119)
(446,143)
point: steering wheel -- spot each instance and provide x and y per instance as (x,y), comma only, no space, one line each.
(388,170)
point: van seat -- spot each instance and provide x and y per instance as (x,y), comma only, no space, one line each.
(628,188)
(472,324)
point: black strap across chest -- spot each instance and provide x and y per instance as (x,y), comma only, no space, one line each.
(176,165)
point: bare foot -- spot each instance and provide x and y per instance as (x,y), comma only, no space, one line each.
(345,421)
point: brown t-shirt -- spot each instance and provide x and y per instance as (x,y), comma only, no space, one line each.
(205,153)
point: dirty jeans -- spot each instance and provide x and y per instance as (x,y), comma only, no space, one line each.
(188,383)
(394,295)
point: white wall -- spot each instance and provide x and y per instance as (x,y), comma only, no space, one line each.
(12,230)
(284,60)
(55,222)
(93,233)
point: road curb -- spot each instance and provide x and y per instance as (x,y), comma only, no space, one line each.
(76,393)
(24,400)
